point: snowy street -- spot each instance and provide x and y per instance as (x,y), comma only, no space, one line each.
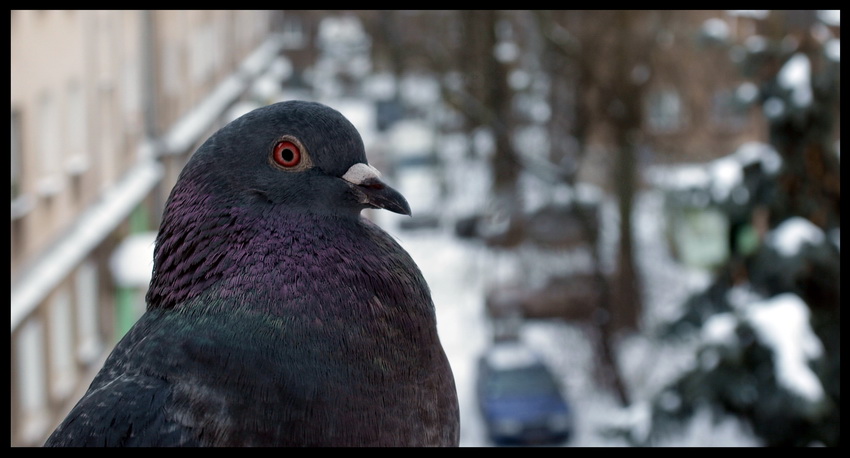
(459,272)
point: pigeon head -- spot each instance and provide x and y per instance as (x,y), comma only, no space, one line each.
(294,154)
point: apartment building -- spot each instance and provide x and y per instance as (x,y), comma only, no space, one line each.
(106,107)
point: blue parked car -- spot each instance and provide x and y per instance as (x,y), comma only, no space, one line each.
(520,399)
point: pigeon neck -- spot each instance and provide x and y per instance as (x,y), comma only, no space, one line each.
(216,248)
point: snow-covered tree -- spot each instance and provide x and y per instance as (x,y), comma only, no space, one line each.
(769,324)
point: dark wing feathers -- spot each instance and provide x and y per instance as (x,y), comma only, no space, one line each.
(277,383)
(122,413)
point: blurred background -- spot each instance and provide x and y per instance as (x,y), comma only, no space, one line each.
(629,220)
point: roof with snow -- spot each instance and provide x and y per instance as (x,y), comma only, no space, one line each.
(719,177)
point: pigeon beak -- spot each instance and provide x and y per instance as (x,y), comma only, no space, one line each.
(374,192)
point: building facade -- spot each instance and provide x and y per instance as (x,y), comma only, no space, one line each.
(106,108)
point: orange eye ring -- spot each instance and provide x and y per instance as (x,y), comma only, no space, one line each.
(286,154)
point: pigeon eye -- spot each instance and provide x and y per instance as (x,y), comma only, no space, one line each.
(287,154)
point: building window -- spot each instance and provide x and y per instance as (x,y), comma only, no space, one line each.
(665,111)
(293,34)
(77,158)
(108,135)
(202,53)
(48,145)
(727,110)
(17,165)
(132,89)
(171,69)
(22,202)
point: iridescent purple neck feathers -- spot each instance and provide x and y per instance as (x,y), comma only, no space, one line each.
(272,260)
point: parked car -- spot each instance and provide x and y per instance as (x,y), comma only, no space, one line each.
(520,399)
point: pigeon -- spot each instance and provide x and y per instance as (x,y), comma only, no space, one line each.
(277,314)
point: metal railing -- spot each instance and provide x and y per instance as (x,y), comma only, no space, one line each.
(55,350)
